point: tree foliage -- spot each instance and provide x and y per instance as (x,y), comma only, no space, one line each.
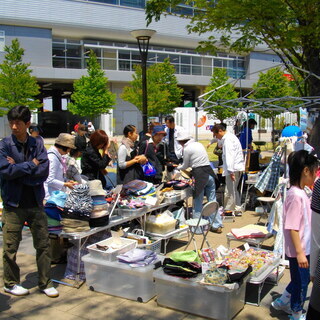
(91,96)
(227,92)
(291,28)
(271,84)
(163,92)
(17,85)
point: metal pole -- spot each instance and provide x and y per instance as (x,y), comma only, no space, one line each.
(144,92)
(196,114)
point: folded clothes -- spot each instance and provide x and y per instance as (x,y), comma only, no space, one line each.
(134,186)
(138,257)
(250,231)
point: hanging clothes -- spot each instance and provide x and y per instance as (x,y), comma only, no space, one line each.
(270,176)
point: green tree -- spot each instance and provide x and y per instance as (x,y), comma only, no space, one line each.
(291,28)
(272,84)
(164,95)
(227,92)
(17,85)
(91,96)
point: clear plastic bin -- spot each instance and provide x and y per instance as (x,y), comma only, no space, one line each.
(119,279)
(188,295)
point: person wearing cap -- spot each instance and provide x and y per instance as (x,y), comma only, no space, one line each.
(57,179)
(81,140)
(153,149)
(196,157)
(129,162)
(233,165)
(24,167)
(246,134)
(174,148)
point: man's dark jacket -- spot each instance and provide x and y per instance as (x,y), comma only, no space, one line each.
(24,171)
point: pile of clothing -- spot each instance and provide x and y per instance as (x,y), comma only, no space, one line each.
(101,208)
(135,193)
(138,257)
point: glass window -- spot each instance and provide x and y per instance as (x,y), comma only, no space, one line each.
(196,70)
(97,51)
(207,71)
(174,58)
(124,65)
(109,53)
(73,50)
(196,60)
(185,59)
(185,69)
(58,40)
(152,57)
(58,50)
(124,54)
(133,3)
(136,55)
(109,64)
(58,62)
(207,61)
(182,10)
(74,63)
(217,63)
(161,57)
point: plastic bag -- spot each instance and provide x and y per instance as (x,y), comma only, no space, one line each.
(148,169)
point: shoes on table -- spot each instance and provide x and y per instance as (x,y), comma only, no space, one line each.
(16,290)
(51,292)
(279,305)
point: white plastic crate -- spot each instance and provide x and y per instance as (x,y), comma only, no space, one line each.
(119,279)
(111,254)
(154,246)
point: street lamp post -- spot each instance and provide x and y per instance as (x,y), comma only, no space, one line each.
(143,36)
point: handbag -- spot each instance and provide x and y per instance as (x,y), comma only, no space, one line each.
(148,169)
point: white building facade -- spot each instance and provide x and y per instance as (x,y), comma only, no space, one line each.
(57,35)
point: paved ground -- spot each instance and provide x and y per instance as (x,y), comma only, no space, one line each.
(84,304)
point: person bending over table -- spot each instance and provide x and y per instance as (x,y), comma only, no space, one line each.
(196,157)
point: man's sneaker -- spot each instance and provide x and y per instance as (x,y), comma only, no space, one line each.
(279,305)
(17,290)
(51,292)
(216,230)
(302,317)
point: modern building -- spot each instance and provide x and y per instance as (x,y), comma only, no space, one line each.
(57,35)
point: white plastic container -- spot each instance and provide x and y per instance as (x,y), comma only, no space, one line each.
(119,279)
(111,254)
(187,295)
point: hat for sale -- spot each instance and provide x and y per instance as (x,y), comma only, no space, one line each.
(95,188)
(58,198)
(158,129)
(66,140)
(183,136)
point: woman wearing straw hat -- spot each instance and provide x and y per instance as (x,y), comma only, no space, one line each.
(57,179)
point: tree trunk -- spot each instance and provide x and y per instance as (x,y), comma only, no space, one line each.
(313,65)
